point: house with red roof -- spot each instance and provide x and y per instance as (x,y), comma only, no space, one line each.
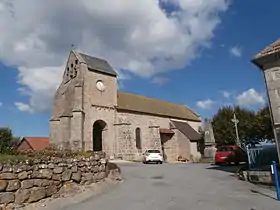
(33,143)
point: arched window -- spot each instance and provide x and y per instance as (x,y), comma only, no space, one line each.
(138,138)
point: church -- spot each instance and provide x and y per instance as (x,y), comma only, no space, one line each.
(90,114)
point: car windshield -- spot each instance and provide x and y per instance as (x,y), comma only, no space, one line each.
(225,149)
(153,151)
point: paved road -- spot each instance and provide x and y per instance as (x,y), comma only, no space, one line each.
(178,187)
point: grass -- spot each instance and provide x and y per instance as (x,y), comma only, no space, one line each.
(16,157)
(6,158)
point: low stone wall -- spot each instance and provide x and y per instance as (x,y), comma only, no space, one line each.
(257,177)
(39,178)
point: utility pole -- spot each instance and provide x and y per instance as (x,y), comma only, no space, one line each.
(236,121)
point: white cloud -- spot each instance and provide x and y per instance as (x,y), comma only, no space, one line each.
(160,80)
(226,94)
(250,98)
(206,104)
(236,51)
(23,107)
(1,104)
(138,36)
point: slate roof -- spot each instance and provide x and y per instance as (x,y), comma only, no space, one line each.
(98,64)
(187,130)
(274,47)
(37,143)
(142,104)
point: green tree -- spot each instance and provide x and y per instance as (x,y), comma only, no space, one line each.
(252,126)
(246,125)
(7,140)
(263,124)
(222,126)
(224,129)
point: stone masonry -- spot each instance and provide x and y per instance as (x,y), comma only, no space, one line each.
(268,60)
(90,114)
(43,177)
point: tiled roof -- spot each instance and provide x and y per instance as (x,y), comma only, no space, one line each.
(37,143)
(187,130)
(274,47)
(98,64)
(142,104)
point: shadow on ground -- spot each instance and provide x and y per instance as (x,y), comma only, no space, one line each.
(227,168)
(264,194)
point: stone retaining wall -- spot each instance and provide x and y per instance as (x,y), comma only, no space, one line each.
(35,179)
(258,177)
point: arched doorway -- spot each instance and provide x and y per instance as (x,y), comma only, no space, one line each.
(98,134)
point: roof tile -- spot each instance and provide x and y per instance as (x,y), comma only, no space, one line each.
(37,143)
(274,47)
(138,103)
(98,64)
(187,130)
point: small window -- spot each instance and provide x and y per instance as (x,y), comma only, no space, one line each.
(138,138)
(72,65)
(76,62)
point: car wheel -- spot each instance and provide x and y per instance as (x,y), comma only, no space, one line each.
(160,162)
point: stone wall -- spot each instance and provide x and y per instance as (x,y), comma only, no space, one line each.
(258,177)
(39,178)
(126,125)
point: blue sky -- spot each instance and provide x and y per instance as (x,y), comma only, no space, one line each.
(220,73)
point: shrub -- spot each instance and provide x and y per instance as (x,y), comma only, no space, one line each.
(8,142)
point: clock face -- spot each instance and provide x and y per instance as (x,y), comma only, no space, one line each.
(100,86)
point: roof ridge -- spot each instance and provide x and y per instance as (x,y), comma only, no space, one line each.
(35,137)
(98,58)
(273,47)
(161,100)
(141,103)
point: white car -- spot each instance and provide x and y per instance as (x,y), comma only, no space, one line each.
(152,155)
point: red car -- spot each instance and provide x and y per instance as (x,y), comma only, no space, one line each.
(230,154)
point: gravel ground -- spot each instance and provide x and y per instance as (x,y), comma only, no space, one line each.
(174,187)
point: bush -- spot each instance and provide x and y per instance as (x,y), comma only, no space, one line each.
(8,142)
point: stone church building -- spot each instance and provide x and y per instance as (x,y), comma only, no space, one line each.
(89,113)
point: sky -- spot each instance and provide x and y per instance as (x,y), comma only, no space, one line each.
(192,52)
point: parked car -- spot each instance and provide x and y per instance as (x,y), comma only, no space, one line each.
(152,155)
(230,154)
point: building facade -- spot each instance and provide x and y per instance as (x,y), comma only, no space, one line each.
(268,60)
(89,113)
